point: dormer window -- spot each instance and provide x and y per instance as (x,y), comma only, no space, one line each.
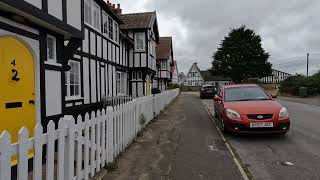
(140,43)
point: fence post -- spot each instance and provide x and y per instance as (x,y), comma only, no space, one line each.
(37,145)
(5,158)
(69,150)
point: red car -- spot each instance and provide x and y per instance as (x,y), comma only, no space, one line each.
(248,108)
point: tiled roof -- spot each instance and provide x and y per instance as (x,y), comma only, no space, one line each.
(137,20)
(164,48)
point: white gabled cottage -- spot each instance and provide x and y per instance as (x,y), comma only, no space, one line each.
(194,77)
(142,28)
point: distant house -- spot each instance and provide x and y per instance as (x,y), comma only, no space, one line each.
(194,77)
(210,79)
(276,77)
(174,72)
(164,51)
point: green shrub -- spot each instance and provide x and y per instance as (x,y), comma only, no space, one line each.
(293,83)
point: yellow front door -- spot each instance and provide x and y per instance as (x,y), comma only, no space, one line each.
(17,92)
(148,85)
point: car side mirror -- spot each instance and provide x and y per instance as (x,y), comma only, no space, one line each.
(274,96)
(217,98)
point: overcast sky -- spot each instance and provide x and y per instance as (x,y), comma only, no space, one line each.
(289,28)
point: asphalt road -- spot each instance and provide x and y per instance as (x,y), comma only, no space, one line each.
(266,156)
(201,153)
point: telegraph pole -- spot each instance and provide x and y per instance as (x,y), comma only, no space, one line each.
(308,64)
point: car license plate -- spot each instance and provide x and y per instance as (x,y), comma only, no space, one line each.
(261,124)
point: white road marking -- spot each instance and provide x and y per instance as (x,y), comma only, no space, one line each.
(242,171)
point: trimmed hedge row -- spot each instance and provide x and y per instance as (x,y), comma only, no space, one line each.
(294,83)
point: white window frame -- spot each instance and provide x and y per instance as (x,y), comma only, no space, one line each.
(139,75)
(110,28)
(92,7)
(134,75)
(116,31)
(96,9)
(140,37)
(54,49)
(68,82)
(121,83)
(163,65)
(89,4)
(105,23)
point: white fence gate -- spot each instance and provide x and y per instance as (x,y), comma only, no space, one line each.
(82,148)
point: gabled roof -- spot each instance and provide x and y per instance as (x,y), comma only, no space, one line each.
(136,21)
(196,66)
(164,48)
(207,76)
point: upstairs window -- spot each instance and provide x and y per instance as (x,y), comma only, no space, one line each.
(51,49)
(163,65)
(96,16)
(88,11)
(105,23)
(110,28)
(140,43)
(73,78)
(92,14)
(116,32)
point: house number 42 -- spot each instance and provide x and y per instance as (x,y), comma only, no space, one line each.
(14,72)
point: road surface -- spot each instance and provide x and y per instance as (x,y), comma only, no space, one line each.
(294,156)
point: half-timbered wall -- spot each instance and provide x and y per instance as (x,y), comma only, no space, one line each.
(102,60)
(68,11)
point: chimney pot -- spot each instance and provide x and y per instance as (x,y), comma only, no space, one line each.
(118,6)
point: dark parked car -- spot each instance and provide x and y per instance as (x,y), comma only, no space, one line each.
(207,91)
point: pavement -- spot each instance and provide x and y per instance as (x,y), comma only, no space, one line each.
(310,100)
(294,156)
(181,144)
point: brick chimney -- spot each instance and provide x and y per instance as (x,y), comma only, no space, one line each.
(118,10)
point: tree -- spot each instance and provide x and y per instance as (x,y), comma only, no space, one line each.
(241,56)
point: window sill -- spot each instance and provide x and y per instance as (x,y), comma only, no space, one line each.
(50,62)
(72,98)
(140,50)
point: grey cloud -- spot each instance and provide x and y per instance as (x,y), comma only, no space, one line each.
(289,28)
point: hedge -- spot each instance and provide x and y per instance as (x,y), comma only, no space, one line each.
(293,84)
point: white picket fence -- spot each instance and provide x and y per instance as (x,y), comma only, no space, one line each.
(83,148)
